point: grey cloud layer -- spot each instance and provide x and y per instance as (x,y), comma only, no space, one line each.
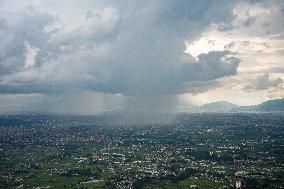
(135,49)
(264,82)
(16,29)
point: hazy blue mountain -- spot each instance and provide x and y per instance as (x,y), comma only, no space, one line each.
(223,106)
(268,106)
(271,105)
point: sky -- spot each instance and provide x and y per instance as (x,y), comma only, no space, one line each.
(91,57)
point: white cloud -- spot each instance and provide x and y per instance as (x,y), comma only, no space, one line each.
(30,55)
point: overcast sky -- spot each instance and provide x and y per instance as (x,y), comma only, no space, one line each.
(89,56)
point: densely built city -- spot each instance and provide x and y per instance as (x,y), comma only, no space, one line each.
(202,150)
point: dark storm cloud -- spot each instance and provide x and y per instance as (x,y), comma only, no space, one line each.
(135,51)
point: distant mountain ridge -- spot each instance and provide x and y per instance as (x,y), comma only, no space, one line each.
(272,105)
(276,105)
(221,106)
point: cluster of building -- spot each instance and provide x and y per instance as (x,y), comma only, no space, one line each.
(131,157)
